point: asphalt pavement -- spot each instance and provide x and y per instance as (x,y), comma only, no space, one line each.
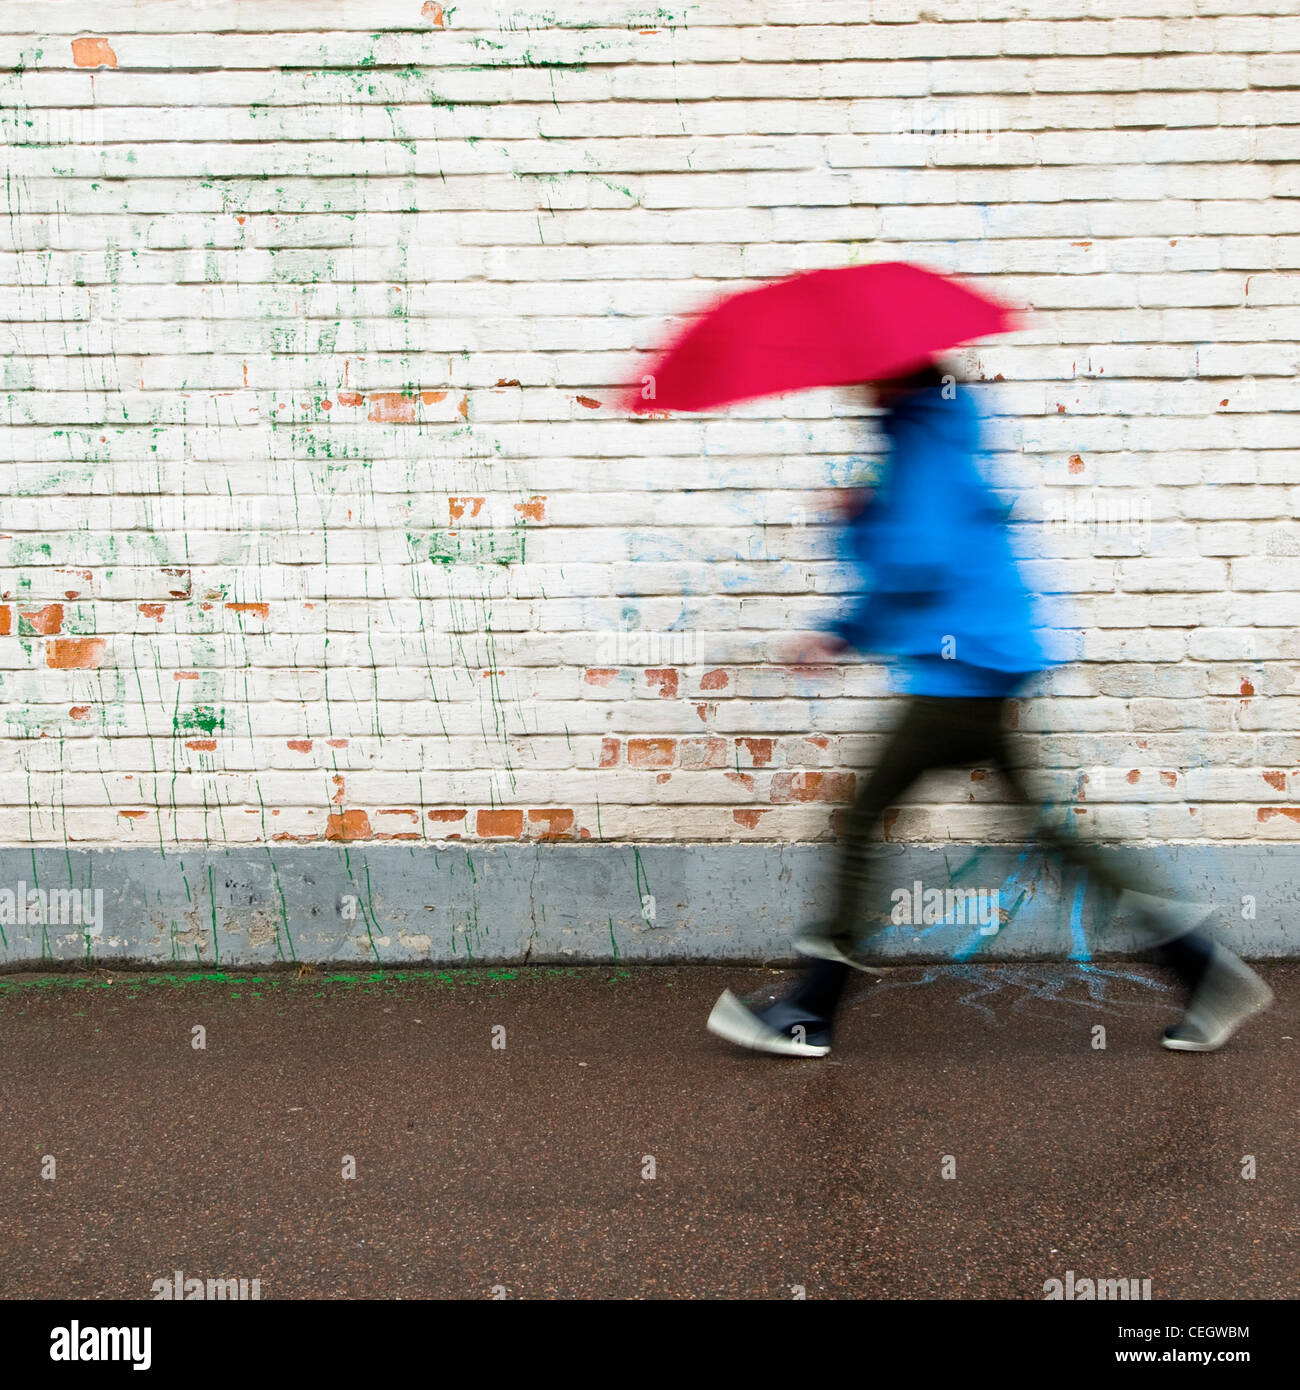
(575,1133)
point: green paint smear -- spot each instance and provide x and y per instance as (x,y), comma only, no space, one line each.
(471,547)
(199,718)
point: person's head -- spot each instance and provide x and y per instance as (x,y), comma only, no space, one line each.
(887,392)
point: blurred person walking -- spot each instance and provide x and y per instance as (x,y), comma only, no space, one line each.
(940,592)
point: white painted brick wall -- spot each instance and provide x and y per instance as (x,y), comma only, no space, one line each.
(320,521)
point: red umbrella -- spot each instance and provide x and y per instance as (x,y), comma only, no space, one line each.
(820,328)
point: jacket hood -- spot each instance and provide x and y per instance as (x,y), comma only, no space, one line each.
(953,418)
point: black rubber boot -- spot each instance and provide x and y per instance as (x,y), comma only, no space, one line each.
(1223,992)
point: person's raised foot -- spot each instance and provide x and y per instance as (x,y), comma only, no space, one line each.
(1227,994)
(779,1029)
(823,943)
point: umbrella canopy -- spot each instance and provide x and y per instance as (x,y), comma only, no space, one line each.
(820,328)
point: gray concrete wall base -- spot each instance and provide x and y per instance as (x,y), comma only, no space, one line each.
(483,904)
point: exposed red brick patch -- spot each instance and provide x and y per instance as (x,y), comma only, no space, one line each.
(588,401)
(432,397)
(1247,688)
(704,752)
(444,815)
(500,823)
(666,679)
(741,779)
(185,675)
(133,815)
(599,675)
(337,798)
(534,509)
(1076,463)
(558,823)
(463,408)
(888,821)
(790,787)
(759,749)
(456,506)
(715,680)
(80,712)
(706,712)
(651,752)
(337,742)
(795,786)
(818,741)
(75,653)
(508,381)
(1170,779)
(44,622)
(93,53)
(353,398)
(202,745)
(1276,780)
(391,408)
(1266,813)
(610,749)
(6,621)
(153,610)
(299,745)
(347,825)
(1133,776)
(749,819)
(258,610)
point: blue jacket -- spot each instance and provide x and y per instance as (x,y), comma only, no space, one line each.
(939,586)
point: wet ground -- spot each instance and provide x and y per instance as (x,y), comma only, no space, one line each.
(612,1148)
